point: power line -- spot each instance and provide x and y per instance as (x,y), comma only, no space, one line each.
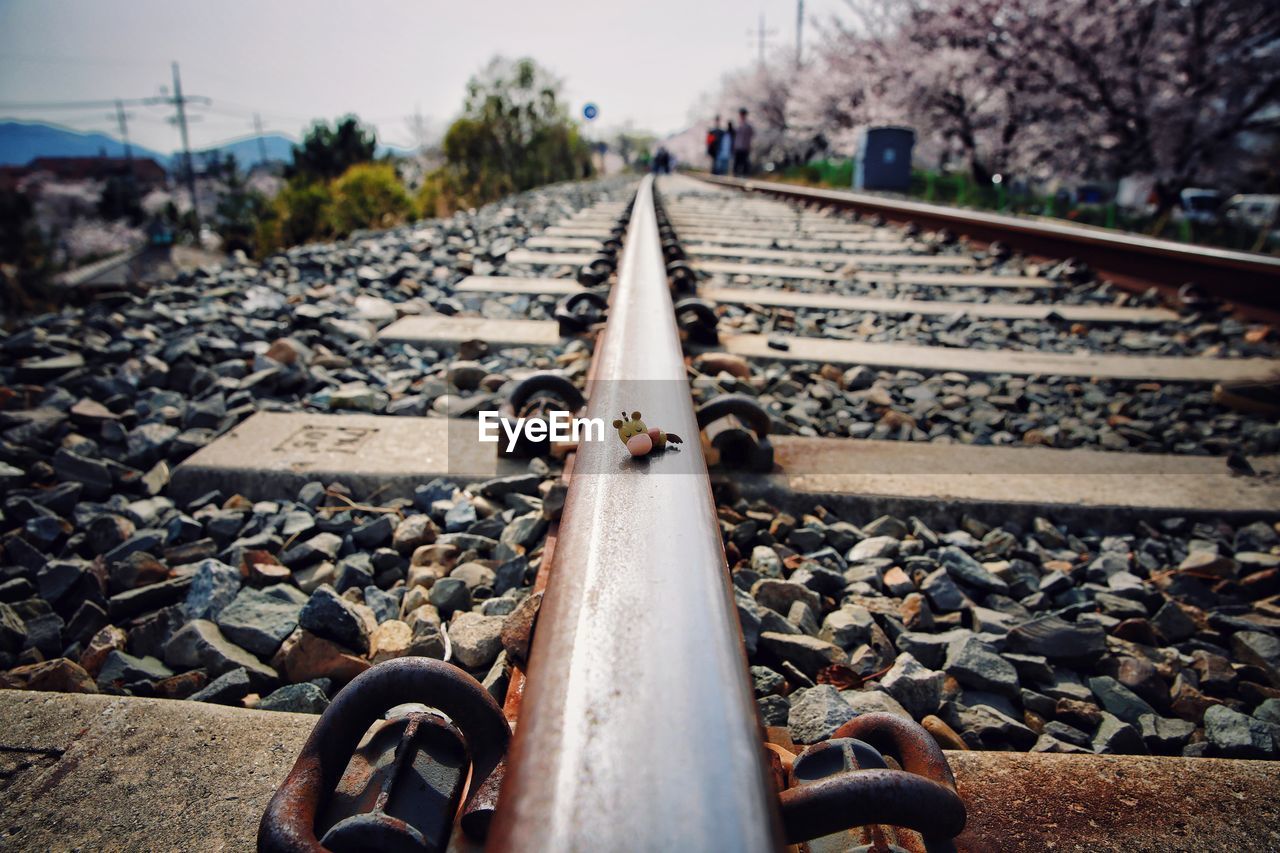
(75,105)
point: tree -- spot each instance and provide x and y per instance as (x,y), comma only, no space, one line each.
(298,214)
(633,145)
(239,209)
(1158,87)
(1186,91)
(326,152)
(26,263)
(514,134)
(120,199)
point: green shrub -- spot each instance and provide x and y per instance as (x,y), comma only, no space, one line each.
(368,195)
(298,214)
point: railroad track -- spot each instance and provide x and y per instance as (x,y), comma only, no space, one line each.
(1128,260)
(926,496)
(637,641)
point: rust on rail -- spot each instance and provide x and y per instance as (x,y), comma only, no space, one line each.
(637,724)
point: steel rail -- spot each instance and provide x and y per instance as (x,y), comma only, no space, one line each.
(637,728)
(1132,261)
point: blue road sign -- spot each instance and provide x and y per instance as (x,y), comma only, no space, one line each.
(590,111)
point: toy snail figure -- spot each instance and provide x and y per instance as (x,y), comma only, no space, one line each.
(639,439)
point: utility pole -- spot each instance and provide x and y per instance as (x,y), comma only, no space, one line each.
(761,36)
(181,104)
(799,31)
(124,137)
(262,145)
(124,132)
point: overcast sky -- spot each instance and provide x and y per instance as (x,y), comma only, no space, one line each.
(290,60)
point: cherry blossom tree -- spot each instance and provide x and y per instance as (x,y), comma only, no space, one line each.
(1182,91)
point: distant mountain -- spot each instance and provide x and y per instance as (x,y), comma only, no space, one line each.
(21,142)
(247,151)
(393,151)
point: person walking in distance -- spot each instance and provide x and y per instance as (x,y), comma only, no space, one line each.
(742,146)
(713,143)
(724,151)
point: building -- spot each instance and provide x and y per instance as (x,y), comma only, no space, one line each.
(145,170)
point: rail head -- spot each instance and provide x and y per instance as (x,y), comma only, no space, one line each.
(638,726)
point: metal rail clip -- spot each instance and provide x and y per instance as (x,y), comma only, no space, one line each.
(697,319)
(536,396)
(578,312)
(844,782)
(363,782)
(738,429)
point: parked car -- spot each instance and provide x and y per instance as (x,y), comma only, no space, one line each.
(1257,211)
(1199,205)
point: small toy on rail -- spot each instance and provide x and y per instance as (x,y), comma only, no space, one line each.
(639,439)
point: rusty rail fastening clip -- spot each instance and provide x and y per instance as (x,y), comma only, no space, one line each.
(578,312)
(477,734)
(697,318)
(536,396)
(738,428)
(844,782)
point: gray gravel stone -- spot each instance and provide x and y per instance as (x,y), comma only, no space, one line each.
(230,688)
(848,627)
(214,585)
(1268,711)
(1119,700)
(13,633)
(873,548)
(1070,734)
(816,713)
(1165,736)
(1258,648)
(766,562)
(915,687)
(329,615)
(873,701)
(971,661)
(778,595)
(930,649)
(1236,735)
(304,698)
(969,571)
(258,620)
(774,710)
(200,643)
(1116,737)
(1173,622)
(1048,743)
(476,639)
(942,592)
(1054,638)
(984,727)
(766,682)
(808,654)
(450,595)
(123,669)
